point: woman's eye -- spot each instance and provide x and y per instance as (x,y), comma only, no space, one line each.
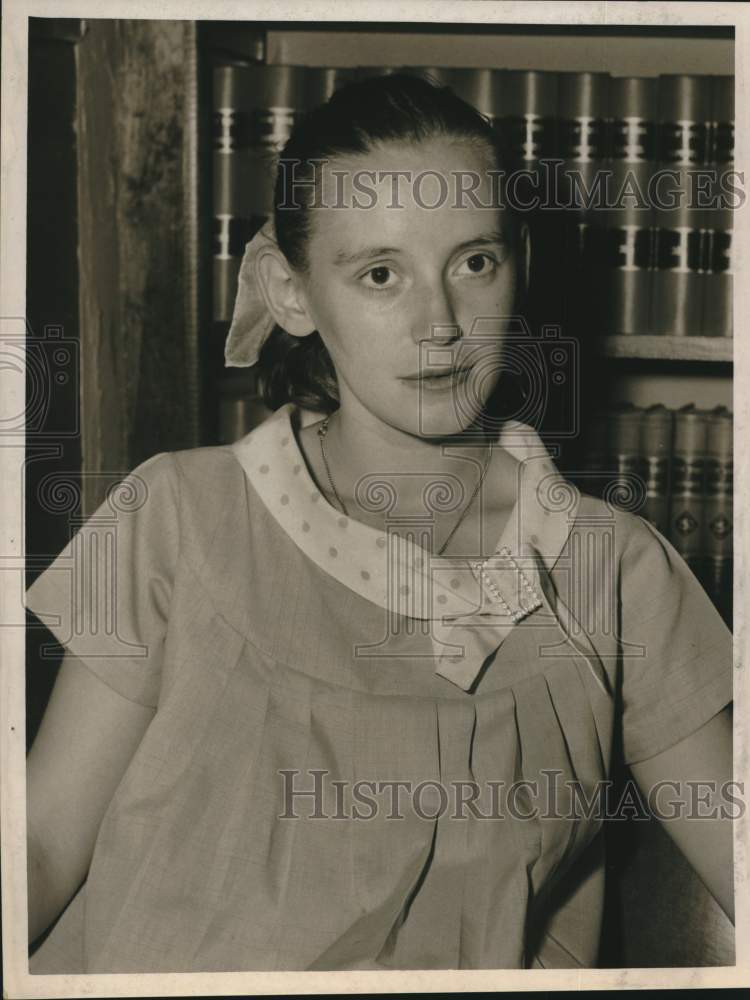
(379,277)
(478,263)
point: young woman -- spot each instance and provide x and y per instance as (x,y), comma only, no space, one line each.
(342,695)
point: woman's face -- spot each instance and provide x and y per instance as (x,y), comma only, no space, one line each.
(412,292)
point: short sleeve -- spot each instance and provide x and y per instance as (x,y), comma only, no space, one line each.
(677,652)
(106,597)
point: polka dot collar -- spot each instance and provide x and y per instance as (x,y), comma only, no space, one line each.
(471,605)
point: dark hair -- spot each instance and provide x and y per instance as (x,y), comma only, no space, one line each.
(356,118)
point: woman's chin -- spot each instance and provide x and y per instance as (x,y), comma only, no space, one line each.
(445,421)
(446,414)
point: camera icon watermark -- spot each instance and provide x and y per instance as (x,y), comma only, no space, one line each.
(462,372)
(51,364)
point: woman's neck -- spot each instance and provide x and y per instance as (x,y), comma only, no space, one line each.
(365,445)
(381,474)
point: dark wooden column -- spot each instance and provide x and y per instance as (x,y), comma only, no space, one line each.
(138,240)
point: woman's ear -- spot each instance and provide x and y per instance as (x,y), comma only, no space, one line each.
(283,297)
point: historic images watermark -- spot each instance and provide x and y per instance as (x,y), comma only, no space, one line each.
(550,185)
(314,795)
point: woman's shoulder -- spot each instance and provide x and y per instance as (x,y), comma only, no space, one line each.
(646,564)
(187,469)
(211,481)
(196,485)
(224,461)
(196,464)
(630,533)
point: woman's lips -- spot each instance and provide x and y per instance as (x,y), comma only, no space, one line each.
(436,381)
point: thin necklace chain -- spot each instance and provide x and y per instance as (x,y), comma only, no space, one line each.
(468,506)
(323,430)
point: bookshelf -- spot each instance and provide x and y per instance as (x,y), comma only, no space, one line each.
(650,347)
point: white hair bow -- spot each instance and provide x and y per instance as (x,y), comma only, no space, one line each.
(251,323)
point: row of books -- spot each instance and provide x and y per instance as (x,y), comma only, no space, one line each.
(599,147)
(680,119)
(639,279)
(674,468)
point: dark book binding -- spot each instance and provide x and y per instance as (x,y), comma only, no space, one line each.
(630,217)
(718,510)
(583,135)
(583,147)
(656,450)
(528,112)
(688,486)
(718,218)
(683,137)
(626,466)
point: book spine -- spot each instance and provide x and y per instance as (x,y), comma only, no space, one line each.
(718,511)
(583,131)
(717,262)
(528,114)
(656,450)
(583,145)
(684,109)
(688,486)
(630,252)
(626,488)
(528,123)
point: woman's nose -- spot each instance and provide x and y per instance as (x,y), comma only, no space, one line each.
(437,319)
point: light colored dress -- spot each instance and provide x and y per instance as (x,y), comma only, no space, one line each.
(288,648)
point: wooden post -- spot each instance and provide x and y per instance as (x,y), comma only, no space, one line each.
(138,245)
